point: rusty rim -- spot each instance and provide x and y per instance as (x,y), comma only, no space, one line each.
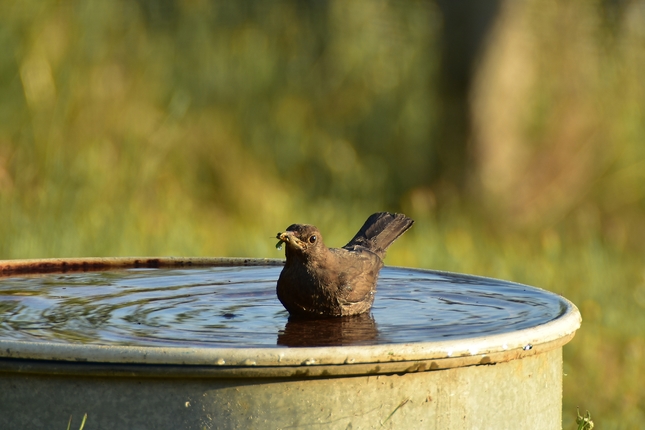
(277,361)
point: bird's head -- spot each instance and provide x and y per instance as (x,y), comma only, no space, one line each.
(301,240)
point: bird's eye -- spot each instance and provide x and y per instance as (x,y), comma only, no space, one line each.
(312,239)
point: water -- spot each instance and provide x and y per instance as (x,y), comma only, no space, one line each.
(237,307)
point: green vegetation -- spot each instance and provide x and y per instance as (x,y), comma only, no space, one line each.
(199,128)
(584,422)
(69,424)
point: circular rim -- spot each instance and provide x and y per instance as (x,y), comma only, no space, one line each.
(452,353)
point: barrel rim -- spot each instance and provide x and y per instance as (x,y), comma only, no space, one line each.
(452,353)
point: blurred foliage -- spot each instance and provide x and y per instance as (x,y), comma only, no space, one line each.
(180,123)
(559,119)
(202,128)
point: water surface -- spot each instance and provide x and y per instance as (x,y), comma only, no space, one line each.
(237,307)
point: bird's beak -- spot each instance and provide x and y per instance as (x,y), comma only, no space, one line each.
(289,237)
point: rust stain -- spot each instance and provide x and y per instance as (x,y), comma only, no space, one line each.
(485,360)
(64,265)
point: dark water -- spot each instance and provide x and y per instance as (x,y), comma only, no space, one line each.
(237,307)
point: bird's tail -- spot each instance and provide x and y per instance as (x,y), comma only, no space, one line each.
(380,230)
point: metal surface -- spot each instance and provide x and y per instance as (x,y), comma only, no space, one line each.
(512,380)
(515,394)
(63,265)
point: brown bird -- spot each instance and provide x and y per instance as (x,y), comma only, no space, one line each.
(318,281)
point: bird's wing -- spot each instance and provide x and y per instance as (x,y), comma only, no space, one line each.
(359,273)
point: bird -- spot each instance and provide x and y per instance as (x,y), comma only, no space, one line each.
(319,282)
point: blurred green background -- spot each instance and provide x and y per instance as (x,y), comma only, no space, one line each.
(513,132)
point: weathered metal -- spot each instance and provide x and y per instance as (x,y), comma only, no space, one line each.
(511,380)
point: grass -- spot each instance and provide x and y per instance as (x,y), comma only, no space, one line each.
(584,422)
(69,425)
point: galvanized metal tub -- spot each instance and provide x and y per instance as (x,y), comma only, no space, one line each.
(511,380)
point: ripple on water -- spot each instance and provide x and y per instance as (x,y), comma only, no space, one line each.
(237,307)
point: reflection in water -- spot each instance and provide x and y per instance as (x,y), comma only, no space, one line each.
(237,307)
(344,331)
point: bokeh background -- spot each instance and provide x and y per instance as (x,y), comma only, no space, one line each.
(512,131)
